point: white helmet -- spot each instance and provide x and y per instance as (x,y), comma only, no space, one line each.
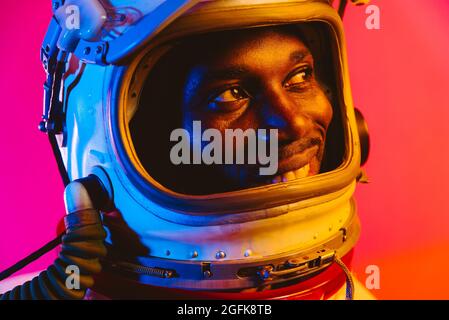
(223,241)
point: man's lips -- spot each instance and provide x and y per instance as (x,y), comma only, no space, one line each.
(299,146)
(296,156)
(298,161)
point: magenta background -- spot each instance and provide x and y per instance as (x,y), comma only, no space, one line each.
(400,79)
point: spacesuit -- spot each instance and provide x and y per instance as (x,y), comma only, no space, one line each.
(139,230)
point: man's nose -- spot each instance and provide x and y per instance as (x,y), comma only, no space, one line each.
(287,115)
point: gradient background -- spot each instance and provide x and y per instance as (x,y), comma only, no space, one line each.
(400,79)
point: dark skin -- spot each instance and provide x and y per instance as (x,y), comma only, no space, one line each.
(262,79)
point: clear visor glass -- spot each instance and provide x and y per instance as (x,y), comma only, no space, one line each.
(233,110)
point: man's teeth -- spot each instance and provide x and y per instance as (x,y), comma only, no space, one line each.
(292,175)
(288,176)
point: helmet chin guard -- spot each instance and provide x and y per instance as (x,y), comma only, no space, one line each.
(228,241)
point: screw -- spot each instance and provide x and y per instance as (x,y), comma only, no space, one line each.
(265,272)
(345,234)
(294,262)
(220,255)
(42,126)
(207,274)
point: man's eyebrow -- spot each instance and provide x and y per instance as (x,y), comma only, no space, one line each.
(299,55)
(236,72)
(229,73)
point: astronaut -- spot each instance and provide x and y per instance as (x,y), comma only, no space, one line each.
(139,225)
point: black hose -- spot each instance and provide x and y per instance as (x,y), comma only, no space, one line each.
(342,8)
(82,246)
(32,257)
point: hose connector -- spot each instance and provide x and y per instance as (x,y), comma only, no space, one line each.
(82,248)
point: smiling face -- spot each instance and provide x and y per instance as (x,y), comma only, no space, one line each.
(261,79)
(248,79)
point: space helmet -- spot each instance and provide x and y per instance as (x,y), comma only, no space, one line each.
(98,70)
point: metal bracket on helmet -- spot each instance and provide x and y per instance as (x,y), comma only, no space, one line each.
(49,58)
(294,267)
(54,62)
(59,42)
(109,52)
(54,57)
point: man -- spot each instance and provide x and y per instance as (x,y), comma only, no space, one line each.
(238,80)
(140,225)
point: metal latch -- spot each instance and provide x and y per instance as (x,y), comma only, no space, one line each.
(297,266)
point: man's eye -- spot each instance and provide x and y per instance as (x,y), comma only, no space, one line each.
(299,78)
(231,95)
(230,100)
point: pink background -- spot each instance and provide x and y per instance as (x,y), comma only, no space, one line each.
(400,79)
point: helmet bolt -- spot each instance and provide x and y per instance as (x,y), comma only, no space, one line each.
(220,255)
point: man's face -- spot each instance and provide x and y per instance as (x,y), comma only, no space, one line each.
(261,79)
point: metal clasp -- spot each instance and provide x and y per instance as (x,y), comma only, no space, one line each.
(297,266)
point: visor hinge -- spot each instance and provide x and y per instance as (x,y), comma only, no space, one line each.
(93,53)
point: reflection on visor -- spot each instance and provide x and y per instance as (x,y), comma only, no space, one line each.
(237,84)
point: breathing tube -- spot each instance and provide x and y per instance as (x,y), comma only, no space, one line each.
(82,247)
